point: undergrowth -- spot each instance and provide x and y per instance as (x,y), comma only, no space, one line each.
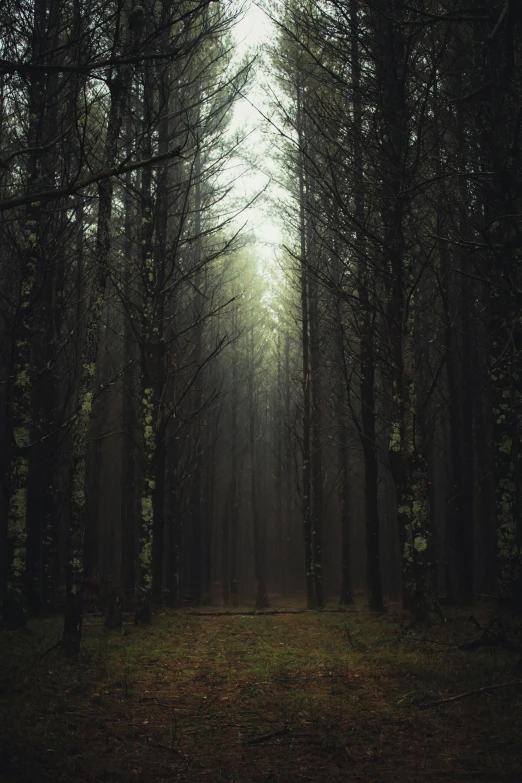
(313,696)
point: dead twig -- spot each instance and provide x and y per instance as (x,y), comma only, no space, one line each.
(54,647)
(459,696)
(259,738)
(473,619)
(413,639)
(293,740)
(348,636)
(501,641)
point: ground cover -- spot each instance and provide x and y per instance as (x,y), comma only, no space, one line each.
(313,696)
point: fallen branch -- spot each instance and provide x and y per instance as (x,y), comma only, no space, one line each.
(54,647)
(473,619)
(470,693)
(165,747)
(292,740)
(414,640)
(502,642)
(259,738)
(264,612)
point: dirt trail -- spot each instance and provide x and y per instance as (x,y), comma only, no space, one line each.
(248,698)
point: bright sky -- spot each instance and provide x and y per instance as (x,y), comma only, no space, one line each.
(252,33)
(254,28)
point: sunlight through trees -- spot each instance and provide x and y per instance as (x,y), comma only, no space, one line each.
(259,305)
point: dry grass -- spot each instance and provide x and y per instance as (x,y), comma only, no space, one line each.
(302,697)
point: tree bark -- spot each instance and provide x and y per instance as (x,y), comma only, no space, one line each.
(258,526)
(410,471)
(234,479)
(306,472)
(20,393)
(119,83)
(367,340)
(316,444)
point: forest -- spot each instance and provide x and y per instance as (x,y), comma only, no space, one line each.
(260,390)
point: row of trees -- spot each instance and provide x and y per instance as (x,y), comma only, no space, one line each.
(401,127)
(181,419)
(116,242)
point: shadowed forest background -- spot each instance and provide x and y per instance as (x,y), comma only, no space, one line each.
(260,311)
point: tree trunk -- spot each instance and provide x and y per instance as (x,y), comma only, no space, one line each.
(258,526)
(306,472)
(234,482)
(20,392)
(150,382)
(346,596)
(119,84)
(153,249)
(367,340)
(42,501)
(464,531)
(287,472)
(197,478)
(174,537)
(277,434)
(410,471)
(316,444)
(225,551)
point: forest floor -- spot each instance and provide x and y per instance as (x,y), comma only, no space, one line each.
(315,696)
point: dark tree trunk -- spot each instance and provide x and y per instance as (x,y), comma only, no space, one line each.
(129,497)
(346,596)
(371,487)
(234,479)
(306,472)
(119,89)
(197,478)
(20,392)
(464,532)
(367,341)
(209,517)
(287,472)
(225,551)
(174,537)
(158,528)
(316,444)
(277,434)
(150,390)
(42,496)
(196,529)
(258,525)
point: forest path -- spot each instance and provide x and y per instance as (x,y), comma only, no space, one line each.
(313,697)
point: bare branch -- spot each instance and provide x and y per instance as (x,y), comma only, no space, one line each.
(74,187)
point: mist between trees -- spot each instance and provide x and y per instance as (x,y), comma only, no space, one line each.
(185,422)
